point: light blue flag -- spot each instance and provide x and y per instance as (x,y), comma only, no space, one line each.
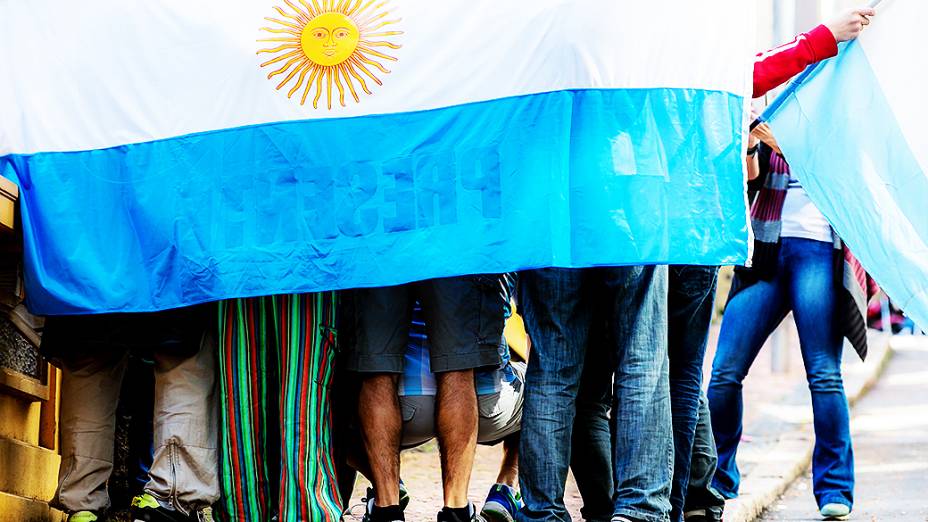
(854,131)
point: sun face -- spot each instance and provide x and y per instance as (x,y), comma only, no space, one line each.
(330,42)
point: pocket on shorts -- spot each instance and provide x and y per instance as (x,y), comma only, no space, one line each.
(489,405)
(407,410)
(492,308)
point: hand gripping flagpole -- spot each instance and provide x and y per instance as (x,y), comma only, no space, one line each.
(775,105)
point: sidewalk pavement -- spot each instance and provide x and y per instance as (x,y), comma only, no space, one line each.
(777,444)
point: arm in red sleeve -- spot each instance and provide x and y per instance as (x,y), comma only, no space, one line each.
(774,67)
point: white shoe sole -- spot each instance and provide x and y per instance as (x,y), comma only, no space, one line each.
(496,512)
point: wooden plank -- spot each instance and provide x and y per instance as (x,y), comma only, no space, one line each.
(22,386)
(9,193)
(48,416)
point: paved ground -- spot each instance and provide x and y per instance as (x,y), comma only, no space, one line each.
(890,428)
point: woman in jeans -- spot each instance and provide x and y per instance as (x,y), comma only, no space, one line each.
(799,265)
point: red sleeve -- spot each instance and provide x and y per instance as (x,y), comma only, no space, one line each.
(774,67)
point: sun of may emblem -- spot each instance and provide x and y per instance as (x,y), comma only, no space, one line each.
(330,42)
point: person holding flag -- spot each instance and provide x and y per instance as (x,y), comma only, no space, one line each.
(691,289)
(799,265)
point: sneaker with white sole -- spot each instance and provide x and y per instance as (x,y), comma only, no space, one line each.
(502,504)
(835,511)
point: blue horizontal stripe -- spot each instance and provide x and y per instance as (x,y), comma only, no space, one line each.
(842,138)
(569,179)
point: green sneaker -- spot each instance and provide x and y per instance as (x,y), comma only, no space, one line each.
(835,511)
(146,508)
(83,516)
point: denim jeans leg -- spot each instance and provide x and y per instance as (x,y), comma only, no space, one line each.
(750,317)
(643,446)
(699,494)
(591,458)
(814,307)
(690,300)
(557,317)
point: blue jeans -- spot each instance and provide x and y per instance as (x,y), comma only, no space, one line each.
(699,494)
(690,300)
(591,444)
(561,307)
(804,283)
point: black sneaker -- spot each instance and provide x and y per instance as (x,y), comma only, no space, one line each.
(369,501)
(449,515)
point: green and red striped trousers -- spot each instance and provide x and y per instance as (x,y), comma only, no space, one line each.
(276,363)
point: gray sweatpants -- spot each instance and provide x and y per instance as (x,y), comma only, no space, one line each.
(184,472)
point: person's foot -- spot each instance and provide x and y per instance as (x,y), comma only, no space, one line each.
(835,511)
(502,504)
(467,514)
(146,508)
(369,501)
(84,516)
(698,515)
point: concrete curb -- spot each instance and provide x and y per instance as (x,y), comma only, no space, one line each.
(791,456)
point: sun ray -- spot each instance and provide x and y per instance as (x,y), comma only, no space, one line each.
(378,54)
(290,63)
(388,45)
(342,68)
(309,83)
(362,57)
(304,16)
(381,25)
(319,10)
(312,12)
(383,34)
(302,65)
(281,39)
(281,58)
(308,66)
(279,49)
(353,71)
(365,7)
(318,87)
(365,70)
(357,3)
(285,14)
(338,84)
(281,22)
(328,81)
(283,31)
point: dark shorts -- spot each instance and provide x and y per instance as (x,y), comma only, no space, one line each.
(463,319)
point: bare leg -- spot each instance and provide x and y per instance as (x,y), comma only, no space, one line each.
(457,433)
(381,427)
(509,468)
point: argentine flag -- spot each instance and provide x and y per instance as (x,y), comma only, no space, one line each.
(171,153)
(853,130)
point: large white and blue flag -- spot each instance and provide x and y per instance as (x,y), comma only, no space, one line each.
(854,131)
(172,153)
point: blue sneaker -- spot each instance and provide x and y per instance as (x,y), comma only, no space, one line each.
(502,504)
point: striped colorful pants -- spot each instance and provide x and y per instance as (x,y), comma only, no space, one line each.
(276,359)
